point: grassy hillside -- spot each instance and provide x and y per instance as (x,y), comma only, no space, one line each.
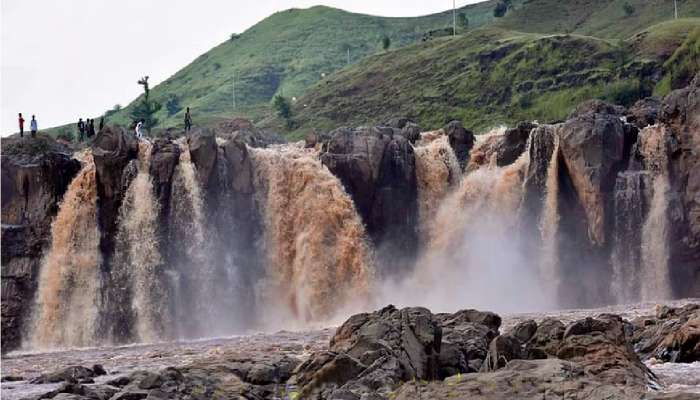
(599,18)
(287,53)
(486,78)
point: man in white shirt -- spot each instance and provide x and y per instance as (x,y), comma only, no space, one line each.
(34,126)
(139,130)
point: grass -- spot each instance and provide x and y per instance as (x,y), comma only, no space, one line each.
(285,54)
(487,78)
(682,66)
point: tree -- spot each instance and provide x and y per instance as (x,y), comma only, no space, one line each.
(284,110)
(145,110)
(173,105)
(386,43)
(463,21)
(628,8)
(114,110)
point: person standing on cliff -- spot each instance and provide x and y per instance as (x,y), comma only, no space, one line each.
(91,128)
(102,122)
(139,129)
(81,129)
(188,120)
(34,126)
(21,125)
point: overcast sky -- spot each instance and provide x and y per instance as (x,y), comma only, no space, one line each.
(64,59)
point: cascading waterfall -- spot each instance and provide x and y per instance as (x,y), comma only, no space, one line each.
(655,281)
(472,257)
(549,226)
(68,297)
(437,171)
(318,257)
(630,204)
(138,258)
(193,276)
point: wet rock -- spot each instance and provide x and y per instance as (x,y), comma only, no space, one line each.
(522,379)
(547,337)
(70,374)
(502,350)
(377,168)
(164,158)
(461,140)
(601,348)
(671,335)
(503,149)
(203,152)
(371,353)
(524,331)
(33,184)
(112,149)
(411,132)
(645,112)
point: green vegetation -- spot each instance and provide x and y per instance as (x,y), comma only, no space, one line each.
(284,110)
(680,69)
(386,43)
(487,78)
(599,18)
(287,53)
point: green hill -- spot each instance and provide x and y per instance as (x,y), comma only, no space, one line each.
(287,53)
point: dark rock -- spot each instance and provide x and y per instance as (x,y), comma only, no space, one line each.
(411,132)
(524,331)
(461,140)
(504,148)
(502,350)
(672,335)
(203,152)
(548,336)
(601,348)
(11,378)
(33,184)
(596,107)
(377,168)
(70,374)
(645,112)
(371,353)
(164,158)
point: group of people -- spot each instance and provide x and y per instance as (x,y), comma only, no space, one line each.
(33,125)
(87,127)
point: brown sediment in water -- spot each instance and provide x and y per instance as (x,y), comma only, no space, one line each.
(549,225)
(318,257)
(437,171)
(69,282)
(139,255)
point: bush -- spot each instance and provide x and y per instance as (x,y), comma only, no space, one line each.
(386,43)
(66,134)
(624,93)
(173,105)
(284,110)
(501,8)
(235,36)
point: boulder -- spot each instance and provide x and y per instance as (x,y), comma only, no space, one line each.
(524,331)
(671,335)
(547,337)
(600,346)
(503,149)
(112,149)
(644,112)
(203,153)
(461,140)
(377,168)
(502,350)
(164,158)
(466,336)
(372,353)
(75,374)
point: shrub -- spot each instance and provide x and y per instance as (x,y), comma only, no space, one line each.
(628,8)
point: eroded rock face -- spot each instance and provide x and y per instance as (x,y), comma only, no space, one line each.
(112,149)
(461,140)
(164,158)
(377,168)
(672,335)
(466,336)
(681,113)
(203,152)
(32,187)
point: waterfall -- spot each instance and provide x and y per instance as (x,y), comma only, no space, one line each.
(138,258)
(318,260)
(655,281)
(630,204)
(437,170)
(193,269)
(473,256)
(68,296)
(549,226)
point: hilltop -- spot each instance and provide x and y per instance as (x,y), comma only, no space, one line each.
(287,53)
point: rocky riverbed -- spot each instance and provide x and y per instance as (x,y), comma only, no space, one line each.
(409,353)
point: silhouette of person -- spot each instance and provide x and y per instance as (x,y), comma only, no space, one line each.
(92,128)
(102,122)
(188,120)
(21,125)
(81,129)
(34,126)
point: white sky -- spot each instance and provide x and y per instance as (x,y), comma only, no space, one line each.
(64,59)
